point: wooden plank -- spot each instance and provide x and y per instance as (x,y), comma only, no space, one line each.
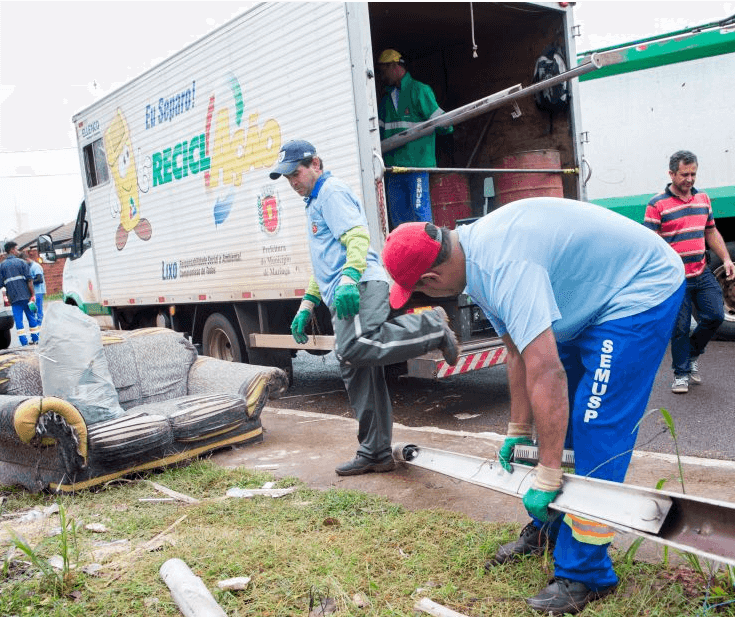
(432,608)
(172,493)
(286,341)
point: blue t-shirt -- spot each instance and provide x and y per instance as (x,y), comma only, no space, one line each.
(331,210)
(548,262)
(39,288)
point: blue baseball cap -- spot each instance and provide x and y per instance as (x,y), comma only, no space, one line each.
(290,155)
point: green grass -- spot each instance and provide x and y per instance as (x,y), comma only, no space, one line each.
(301,549)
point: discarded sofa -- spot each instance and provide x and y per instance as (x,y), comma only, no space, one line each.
(177,406)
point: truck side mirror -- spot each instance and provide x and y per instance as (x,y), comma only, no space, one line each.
(46,248)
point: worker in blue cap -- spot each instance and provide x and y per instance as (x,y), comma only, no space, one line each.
(349,278)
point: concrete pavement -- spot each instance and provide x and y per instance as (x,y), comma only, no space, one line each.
(310,445)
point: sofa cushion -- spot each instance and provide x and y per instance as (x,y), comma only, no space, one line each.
(200,417)
(148,365)
(129,440)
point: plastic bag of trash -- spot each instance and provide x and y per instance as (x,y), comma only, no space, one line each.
(73,365)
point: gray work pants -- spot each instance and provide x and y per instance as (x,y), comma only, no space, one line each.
(367,342)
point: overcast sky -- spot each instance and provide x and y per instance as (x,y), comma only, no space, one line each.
(57,58)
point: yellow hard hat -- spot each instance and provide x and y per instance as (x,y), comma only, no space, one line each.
(390,55)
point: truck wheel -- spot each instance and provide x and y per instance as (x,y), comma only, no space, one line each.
(726,331)
(263,356)
(220,339)
(4,339)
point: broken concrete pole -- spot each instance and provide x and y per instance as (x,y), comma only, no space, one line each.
(188,591)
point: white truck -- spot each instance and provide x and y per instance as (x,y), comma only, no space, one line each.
(189,232)
(670,92)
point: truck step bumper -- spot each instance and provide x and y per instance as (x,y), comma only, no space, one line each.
(472,357)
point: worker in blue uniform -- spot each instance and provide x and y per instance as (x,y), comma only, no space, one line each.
(585,301)
(349,279)
(39,284)
(15,276)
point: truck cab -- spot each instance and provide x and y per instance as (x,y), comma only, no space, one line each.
(79,283)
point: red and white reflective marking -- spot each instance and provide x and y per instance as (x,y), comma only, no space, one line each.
(472,362)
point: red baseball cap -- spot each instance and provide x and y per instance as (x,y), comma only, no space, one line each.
(408,253)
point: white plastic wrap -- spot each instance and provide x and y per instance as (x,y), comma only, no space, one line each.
(73,365)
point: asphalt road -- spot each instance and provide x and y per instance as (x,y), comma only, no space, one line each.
(478,402)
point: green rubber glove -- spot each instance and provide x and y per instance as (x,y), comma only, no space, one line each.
(506,451)
(546,486)
(298,325)
(537,502)
(347,300)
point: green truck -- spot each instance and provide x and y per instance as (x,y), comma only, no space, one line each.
(670,92)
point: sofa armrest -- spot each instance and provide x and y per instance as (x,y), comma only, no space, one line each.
(43,421)
(211,376)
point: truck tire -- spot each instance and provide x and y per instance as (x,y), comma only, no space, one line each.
(280,358)
(4,339)
(726,332)
(220,339)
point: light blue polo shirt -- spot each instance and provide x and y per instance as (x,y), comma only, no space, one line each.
(548,262)
(331,210)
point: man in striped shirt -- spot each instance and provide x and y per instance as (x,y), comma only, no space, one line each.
(682,215)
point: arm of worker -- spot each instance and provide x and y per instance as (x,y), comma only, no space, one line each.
(427,103)
(546,384)
(717,244)
(347,296)
(652,218)
(538,394)
(520,427)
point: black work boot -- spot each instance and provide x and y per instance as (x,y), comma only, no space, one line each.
(449,345)
(563,595)
(360,464)
(532,541)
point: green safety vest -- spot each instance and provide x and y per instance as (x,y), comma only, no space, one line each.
(417,104)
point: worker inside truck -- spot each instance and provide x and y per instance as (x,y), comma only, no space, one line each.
(405,104)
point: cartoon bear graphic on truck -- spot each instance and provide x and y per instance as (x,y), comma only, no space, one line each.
(120,158)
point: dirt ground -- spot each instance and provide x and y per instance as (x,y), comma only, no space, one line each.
(310,445)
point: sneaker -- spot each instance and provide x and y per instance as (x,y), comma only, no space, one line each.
(694,376)
(532,541)
(449,345)
(680,385)
(565,596)
(360,464)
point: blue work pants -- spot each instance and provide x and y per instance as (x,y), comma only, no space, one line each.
(39,308)
(19,309)
(610,371)
(704,294)
(408,197)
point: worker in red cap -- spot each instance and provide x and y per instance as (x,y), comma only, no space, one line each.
(406,103)
(585,301)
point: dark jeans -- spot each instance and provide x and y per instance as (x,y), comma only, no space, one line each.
(705,295)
